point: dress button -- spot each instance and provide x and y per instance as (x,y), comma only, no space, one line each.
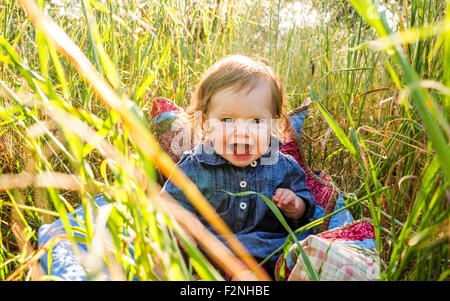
(253,164)
(243,205)
(243,184)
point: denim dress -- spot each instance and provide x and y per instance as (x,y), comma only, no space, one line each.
(248,216)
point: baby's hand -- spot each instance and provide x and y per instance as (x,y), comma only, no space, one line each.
(290,204)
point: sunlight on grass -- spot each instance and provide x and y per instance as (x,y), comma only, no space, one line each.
(76,88)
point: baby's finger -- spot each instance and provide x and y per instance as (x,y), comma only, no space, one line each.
(280,204)
(297,204)
(275,199)
(287,197)
(279,192)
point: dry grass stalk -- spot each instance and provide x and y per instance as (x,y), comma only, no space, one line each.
(35,270)
(26,180)
(138,132)
(35,258)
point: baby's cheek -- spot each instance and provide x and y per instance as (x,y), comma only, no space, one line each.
(263,140)
(215,132)
(219,144)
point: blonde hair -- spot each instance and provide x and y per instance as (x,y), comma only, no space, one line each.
(239,72)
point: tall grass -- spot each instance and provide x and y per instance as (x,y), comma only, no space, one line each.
(379,126)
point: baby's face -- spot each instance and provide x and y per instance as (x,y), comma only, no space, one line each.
(239,123)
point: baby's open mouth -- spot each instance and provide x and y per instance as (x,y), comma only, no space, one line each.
(240,149)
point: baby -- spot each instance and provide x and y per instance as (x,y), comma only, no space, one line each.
(239,99)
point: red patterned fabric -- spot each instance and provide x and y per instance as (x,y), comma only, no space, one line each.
(351,234)
(320,192)
(162,104)
(172,131)
(287,272)
(355,232)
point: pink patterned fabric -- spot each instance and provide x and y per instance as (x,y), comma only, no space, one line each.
(355,232)
(337,261)
(320,192)
(338,254)
(173,130)
(162,104)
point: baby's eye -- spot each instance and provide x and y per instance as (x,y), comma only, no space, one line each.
(227,120)
(256,120)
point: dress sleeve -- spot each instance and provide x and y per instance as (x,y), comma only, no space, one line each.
(186,164)
(296,178)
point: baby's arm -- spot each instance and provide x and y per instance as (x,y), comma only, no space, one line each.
(289,203)
(187,166)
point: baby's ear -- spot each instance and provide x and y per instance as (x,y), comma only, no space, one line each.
(206,124)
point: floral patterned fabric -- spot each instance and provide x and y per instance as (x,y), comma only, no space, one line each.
(340,254)
(321,192)
(171,128)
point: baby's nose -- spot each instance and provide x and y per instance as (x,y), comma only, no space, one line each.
(241,128)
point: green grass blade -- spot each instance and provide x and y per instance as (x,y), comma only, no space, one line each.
(334,125)
(425,104)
